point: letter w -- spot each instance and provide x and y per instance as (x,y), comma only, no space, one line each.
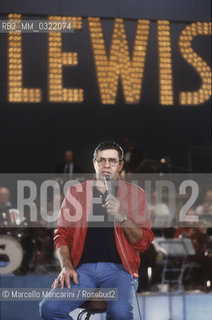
(119,64)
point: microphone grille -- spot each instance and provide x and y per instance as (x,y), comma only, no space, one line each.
(107,177)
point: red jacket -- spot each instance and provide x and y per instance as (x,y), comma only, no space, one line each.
(74,215)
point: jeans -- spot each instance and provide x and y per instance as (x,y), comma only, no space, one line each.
(93,275)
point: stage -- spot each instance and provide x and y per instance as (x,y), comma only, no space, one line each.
(74,74)
(153,306)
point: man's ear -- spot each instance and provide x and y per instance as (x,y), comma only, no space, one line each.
(121,166)
(94,164)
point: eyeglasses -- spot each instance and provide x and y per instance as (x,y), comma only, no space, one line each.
(103,161)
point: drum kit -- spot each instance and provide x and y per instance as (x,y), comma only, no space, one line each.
(11,254)
(20,244)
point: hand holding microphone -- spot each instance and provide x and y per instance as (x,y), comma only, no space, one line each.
(113,204)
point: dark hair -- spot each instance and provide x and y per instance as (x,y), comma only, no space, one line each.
(109,145)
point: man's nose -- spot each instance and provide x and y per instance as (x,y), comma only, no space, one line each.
(107,163)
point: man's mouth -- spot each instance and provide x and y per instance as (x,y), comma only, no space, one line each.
(105,172)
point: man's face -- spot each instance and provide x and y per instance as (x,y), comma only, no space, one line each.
(107,163)
(208,196)
(4,195)
(68,156)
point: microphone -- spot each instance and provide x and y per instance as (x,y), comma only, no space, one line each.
(108,184)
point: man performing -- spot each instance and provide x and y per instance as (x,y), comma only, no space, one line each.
(103,254)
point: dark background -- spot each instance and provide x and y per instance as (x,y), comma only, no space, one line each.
(34,136)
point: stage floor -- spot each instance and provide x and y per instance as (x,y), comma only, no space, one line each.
(153,306)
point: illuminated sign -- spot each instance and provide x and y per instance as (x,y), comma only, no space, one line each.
(116,66)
